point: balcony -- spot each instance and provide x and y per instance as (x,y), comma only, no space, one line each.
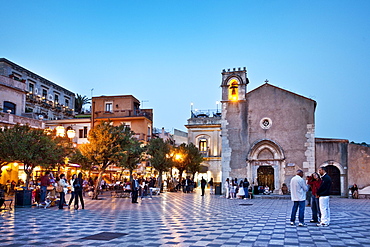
(9,82)
(11,119)
(125,113)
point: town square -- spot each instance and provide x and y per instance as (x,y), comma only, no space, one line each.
(184,123)
(181,219)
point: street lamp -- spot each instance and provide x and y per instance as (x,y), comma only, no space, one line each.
(71,134)
(60,131)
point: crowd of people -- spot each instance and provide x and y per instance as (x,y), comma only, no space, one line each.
(237,190)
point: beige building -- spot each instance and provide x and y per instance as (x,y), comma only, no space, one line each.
(123,109)
(204,128)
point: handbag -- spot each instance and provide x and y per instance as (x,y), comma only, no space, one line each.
(59,189)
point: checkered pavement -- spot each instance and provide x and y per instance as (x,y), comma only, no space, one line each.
(178,219)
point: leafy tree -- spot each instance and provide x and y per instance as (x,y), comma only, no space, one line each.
(180,159)
(194,159)
(132,155)
(80,101)
(107,145)
(159,157)
(78,158)
(187,157)
(32,147)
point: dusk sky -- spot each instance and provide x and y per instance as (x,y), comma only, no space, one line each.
(170,54)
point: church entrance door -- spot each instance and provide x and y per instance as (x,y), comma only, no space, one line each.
(265,176)
(334,174)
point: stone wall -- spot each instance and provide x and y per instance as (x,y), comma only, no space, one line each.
(358,165)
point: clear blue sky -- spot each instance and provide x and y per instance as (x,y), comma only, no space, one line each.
(171,53)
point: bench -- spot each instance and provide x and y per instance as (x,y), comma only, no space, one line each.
(364,193)
(10,201)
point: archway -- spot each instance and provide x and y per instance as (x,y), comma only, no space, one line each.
(265,176)
(337,175)
(264,164)
(334,174)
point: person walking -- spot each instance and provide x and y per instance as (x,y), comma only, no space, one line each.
(211,186)
(71,182)
(78,187)
(314,182)
(323,192)
(203,184)
(298,189)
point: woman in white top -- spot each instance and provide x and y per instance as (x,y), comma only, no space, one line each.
(62,183)
(71,181)
(227,188)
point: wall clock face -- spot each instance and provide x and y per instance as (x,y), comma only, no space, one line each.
(265,123)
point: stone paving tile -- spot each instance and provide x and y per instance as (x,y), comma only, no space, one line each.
(168,220)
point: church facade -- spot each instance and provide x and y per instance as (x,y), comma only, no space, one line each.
(268,133)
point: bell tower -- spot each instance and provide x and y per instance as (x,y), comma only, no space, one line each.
(234,123)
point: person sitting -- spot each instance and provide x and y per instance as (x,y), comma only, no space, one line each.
(284,189)
(354,190)
(266,190)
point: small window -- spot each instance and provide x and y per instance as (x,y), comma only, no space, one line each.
(31,88)
(108,107)
(203,145)
(85,132)
(67,102)
(80,133)
(44,93)
(9,106)
(56,98)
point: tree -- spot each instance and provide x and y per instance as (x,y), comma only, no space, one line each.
(78,158)
(195,158)
(32,147)
(187,157)
(159,157)
(80,101)
(107,145)
(179,159)
(132,155)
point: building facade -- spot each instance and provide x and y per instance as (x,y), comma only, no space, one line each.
(204,128)
(123,109)
(37,97)
(267,134)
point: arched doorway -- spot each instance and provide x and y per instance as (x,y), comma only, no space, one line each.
(264,164)
(337,174)
(334,174)
(265,176)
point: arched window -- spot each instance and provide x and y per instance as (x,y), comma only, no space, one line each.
(9,106)
(233,90)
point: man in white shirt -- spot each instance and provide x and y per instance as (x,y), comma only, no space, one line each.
(298,188)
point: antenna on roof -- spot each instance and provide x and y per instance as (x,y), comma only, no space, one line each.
(142,103)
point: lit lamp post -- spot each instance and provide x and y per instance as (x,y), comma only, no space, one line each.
(60,131)
(71,134)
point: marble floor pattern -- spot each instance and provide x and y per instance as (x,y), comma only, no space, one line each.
(178,219)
